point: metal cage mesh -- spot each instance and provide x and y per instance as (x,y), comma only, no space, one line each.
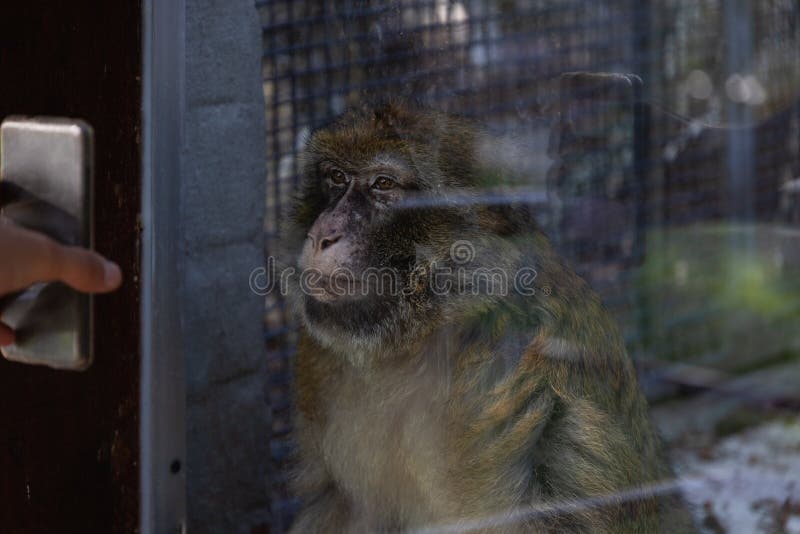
(609,153)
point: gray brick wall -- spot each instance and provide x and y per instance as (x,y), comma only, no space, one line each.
(222,207)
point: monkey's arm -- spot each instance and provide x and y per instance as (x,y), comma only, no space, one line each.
(328,512)
(546,452)
(325,509)
(558,465)
(502,406)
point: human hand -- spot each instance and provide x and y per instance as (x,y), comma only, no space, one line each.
(28,257)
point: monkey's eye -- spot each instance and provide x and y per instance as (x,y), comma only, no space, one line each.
(384,182)
(337,177)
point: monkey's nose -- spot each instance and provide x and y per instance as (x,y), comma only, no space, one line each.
(326,242)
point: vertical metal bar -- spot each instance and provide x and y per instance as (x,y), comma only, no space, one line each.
(641,120)
(295,76)
(276,121)
(163,394)
(275,151)
(741,142)
(329,15)
(641,157)
(642,125)
(309,31)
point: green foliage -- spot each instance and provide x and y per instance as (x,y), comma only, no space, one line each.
(721,295)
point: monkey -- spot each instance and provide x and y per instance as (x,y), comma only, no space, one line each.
(431,396)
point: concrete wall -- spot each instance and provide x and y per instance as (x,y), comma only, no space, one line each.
(222,207)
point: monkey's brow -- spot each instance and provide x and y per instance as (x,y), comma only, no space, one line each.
(393,161)
(379,160)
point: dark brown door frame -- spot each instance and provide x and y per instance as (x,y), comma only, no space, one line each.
(69,441)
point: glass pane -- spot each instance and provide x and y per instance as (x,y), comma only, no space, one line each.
(655,143)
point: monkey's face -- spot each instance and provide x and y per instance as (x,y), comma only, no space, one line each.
(373,217)
(359,251)
(351,243)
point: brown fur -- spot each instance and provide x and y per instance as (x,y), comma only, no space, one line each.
(472,413)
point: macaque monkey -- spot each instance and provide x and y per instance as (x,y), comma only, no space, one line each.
(432,393)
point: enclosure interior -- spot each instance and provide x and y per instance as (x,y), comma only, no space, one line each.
(672,186)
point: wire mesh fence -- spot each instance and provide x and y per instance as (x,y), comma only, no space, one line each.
(640,175)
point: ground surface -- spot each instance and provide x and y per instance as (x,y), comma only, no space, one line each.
(745,483)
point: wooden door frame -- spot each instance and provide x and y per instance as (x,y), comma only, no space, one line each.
(69,442)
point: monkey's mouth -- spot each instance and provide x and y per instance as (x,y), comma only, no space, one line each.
(356,312)
(329,289)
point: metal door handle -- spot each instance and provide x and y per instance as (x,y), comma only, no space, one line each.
(46,185)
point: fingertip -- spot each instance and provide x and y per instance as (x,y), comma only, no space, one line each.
(112,275)
(88,271)
(7,336)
